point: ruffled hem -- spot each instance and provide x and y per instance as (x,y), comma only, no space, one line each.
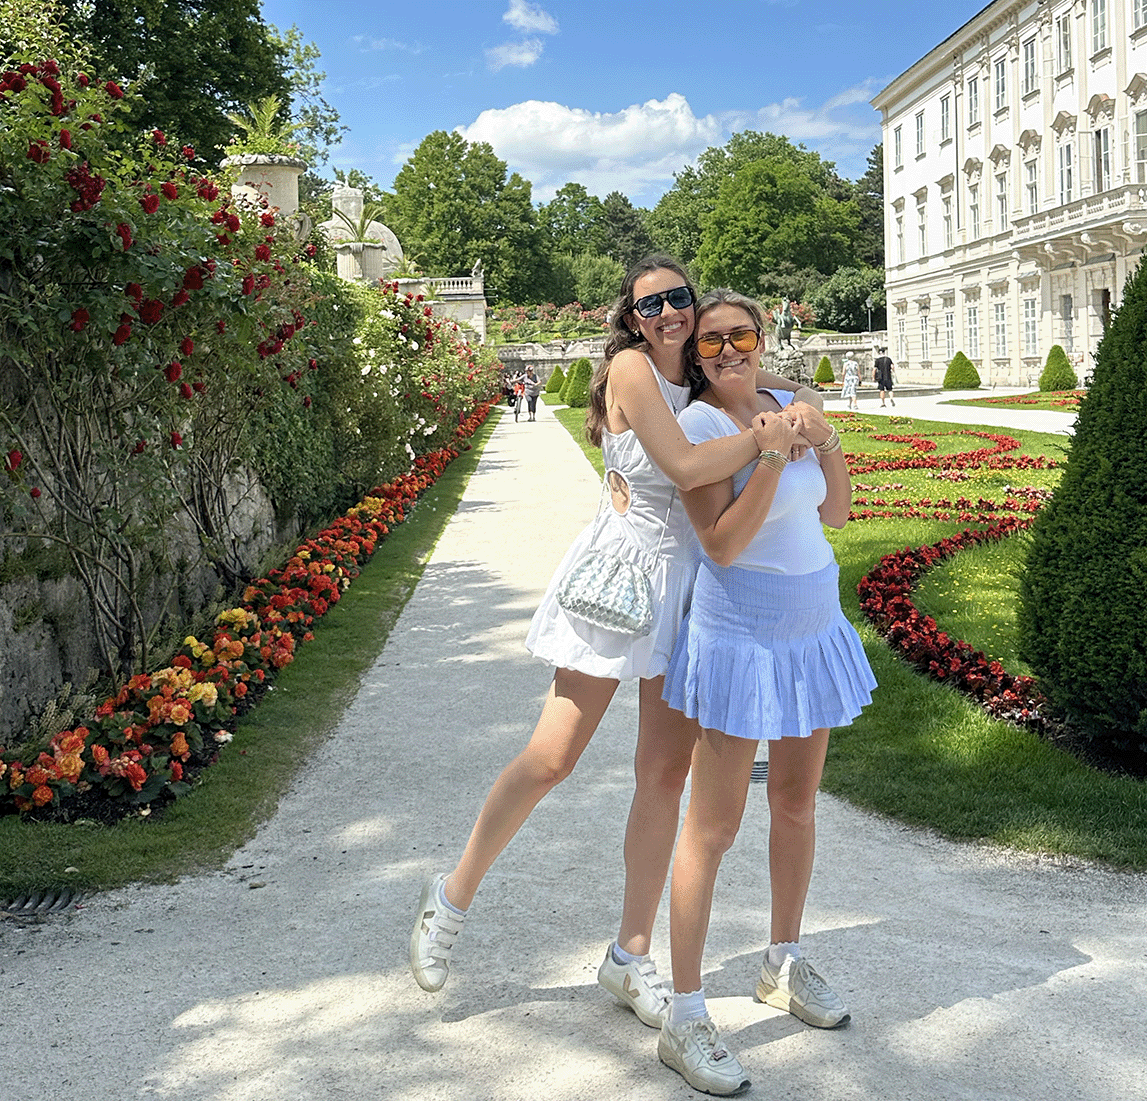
(734,678)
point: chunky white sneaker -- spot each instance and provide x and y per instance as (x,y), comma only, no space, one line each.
(638,986)
(435,931)
(796,988)
(695,1050)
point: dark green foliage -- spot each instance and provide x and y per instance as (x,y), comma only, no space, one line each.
(575,392)
(556,381)
(1057,373)
(961,374)
(1083,617)
(824,371)
(838,302)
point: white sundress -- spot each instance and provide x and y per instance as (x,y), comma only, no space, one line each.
(570,643)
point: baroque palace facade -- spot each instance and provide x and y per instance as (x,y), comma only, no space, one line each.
(1015,187)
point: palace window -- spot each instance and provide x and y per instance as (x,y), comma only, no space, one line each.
(974,211)
(900,239)
(920,133)
(1138,13)
(1001,202)
(949,236)
(1000,83)
(1000,329)
(1031,328)
(925,353)
(1141,147)
(1098,25)
(973,332)
(1103,160)
(973,101)
(949,335)
(922,230)
(946,115)
(901,340)
(1031,186)
(897,148)
(1063,43)
(1029,84)
(1066,192)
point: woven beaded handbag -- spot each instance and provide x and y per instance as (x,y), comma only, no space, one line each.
(610,591)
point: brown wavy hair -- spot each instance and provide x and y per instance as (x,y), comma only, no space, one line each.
(621,336)
(720,296)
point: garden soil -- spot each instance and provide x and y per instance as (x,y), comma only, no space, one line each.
(971,973)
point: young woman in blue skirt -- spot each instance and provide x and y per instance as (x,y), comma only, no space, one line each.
(765,652)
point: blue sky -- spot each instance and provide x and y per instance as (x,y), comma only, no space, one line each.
(617,96)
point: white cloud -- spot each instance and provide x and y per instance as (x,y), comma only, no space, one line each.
(365,42)
(530,18)
(523,54)
(635,150)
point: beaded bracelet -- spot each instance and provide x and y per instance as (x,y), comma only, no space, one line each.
(774,460)
(831,444)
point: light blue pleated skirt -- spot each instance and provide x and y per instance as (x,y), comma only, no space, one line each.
(765,655)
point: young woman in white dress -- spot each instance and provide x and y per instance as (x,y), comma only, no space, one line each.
(635,395)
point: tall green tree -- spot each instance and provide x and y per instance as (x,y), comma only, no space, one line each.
(869,195)
(194,61)
(622,226)
(454,204)
(317,124)
(772,210)
(572,220)
(839,301)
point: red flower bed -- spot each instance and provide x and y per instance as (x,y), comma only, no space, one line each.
(885,599)
(149,740)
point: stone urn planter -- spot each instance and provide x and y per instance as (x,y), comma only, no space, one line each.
(267,175)
(369,260)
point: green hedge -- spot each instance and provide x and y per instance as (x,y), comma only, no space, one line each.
(824,371)
(1057,373)
(961,374)
(575,392)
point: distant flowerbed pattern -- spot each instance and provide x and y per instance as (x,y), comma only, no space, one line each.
(153,737)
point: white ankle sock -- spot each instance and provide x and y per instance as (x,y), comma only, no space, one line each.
(446,902)
(778,952)
(687,1007)
(620,955)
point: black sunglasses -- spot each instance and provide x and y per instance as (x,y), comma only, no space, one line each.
(712,344)
(651,305)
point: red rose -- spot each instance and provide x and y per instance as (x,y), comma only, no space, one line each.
(223,238)
(170,190)
(122,334)
(176,439)
(35,491)
(38,152)
(220,326)
(159,137)
(65,139)
(193,278)
(14,459)
(262,252)
(113,90)
(218,217)
(150,203)
(82,80)
(186,346)
(184,390)
(139,446)
(207,191)
(248,284)
(233,223)
(199,387)
(310,250)
(134,290)
(180,297)
(150,311)
(80,318)
(267,218)
(124,231)
(189,152)
(173,371)
(307,402)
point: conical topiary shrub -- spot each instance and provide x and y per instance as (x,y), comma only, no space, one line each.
(1082,617)
(556,380)
(961,374)
(824,371)
(1057,373)
(575,392)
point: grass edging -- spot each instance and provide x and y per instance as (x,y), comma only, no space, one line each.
(272,742)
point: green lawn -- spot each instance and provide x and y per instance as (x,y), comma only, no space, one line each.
(1054,401)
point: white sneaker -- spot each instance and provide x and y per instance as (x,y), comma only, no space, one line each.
(695,1050)
(796,988)
(435,931)
(638,986)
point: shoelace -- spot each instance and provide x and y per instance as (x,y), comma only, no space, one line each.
(812,980)
(709,1040)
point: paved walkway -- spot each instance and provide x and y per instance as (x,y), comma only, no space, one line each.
(971,973)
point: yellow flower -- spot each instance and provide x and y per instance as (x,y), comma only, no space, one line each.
(206,692)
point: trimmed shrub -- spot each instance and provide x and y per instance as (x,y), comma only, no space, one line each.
(961,374)
(575,392)
(1082,617)
(824,371)
(1057,372)
(555,382)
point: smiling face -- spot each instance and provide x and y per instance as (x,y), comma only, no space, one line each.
(729,371)
(673,327)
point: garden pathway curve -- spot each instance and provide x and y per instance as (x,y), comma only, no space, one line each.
(971,973)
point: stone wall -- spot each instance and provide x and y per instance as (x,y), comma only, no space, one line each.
(46,629)
(545,357)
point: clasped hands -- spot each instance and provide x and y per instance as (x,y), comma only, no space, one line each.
(792,431)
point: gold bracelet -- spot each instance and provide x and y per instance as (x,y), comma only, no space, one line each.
(774,460)
(831,444)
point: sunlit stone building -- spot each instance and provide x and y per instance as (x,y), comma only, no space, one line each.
(1015,187)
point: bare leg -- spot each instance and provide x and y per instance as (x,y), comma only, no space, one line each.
(665,742)
(795,767)
(573,709)
(722,766)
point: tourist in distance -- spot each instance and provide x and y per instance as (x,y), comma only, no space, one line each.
(635,395)
(764,652)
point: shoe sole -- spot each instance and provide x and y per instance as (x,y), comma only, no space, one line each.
(672,1063)
(771,996)
(627,1002)
(415,967)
